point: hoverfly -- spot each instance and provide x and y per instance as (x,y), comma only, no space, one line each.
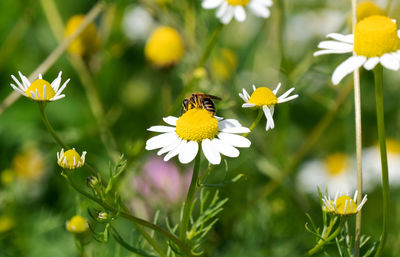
(200,100)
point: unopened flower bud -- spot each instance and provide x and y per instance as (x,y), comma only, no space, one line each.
(92,181)
(103,216)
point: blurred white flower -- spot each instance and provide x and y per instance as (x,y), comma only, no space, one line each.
(336,173)
(137,23)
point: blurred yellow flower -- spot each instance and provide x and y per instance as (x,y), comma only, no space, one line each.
(87,43)
(77,224)
(164,47)
(6,223)
(29,165)
(70,159)
(7,176)
(368,8)
(224,64)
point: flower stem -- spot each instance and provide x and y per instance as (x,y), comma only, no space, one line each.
(329,237)
(42,107)
(255,122)
(378,72)
(189,199)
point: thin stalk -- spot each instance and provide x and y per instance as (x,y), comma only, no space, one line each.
(53,57)
(378,72)
(189,199)
(321,243)
(131,218)
(357,108)
(151,241)
(255,122)
(42,107)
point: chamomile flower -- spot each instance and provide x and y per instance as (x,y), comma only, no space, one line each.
(228,9)
(194,127)
(375,40)
(343,205)
(40,89)
(77,224)
(70,159)
(266,99)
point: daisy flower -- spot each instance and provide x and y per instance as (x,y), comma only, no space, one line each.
(335,172)
(266,99)
(228,9)
(194,127)
(70,159)
(40,89)
(343,205)
(375,40)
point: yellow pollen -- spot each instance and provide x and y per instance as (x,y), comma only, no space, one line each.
(37,88)
(345,206)
(196,125)
(70,160)
(375,36)
(263,96)
(77,224)
(337,163)
(368,8)
(238,2)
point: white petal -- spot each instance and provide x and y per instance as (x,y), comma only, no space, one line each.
(232,126)
(284,95)
(225,149)
(161,129)
(222,9)
(56,83)
(245,94)
(18,90)
(62,87)
(371,63)
(270,119)
(334,45)
(390,62)
(22,86)
(248,105)
(211,4)
(188,152)
(210,152)
(170,120)
(287,99)
(228,15)
(25,80)
(161,141)
(240,14)
(170,147)
(347,67)
(234,140)
(175,151)
(322,52)
(277,88)
(349,38)
(259,10)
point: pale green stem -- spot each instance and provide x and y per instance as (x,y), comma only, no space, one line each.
(42,107)
(189,199)
(255,122)
(378,72)
(329,237)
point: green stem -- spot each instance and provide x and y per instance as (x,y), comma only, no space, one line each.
(42,107)
(378,72)
(321,243)
(189,199)
(127,246)
(255,122)
(133,219)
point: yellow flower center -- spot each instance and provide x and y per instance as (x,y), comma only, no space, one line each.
(164,47)
(263,96)
(196,125)
(345,206)
(375,36)
(393,146)
(238,2)
(337,163)
(71,160)
(37,87)
(368,8)
(87,42)
(77,224)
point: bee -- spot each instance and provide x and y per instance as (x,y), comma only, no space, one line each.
(200,100)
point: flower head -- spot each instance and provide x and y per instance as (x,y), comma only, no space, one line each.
(77,224)
(228,9)
(343,205)
(368,8)
(29,165)
(375,40)
(164,48)
(87,42)
(266,99)
(196,126)
(40,89)
(70,159)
